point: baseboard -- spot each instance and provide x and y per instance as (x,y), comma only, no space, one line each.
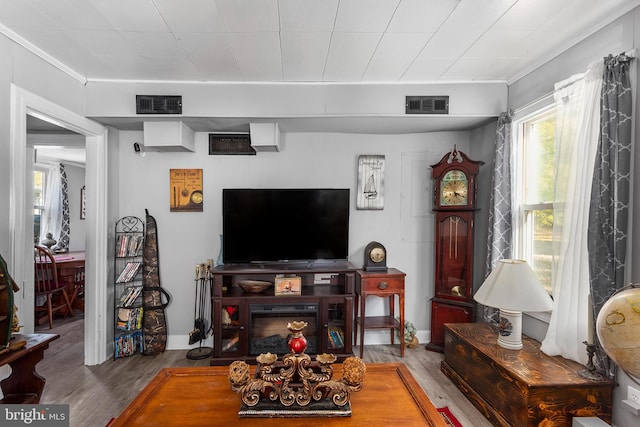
(181,342)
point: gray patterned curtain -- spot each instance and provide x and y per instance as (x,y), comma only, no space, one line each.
(609,209)
(63,241)
(499,234)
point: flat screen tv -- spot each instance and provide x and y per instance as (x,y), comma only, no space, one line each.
(284,225)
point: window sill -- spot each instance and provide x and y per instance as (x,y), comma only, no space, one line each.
(535,325)
(544,316)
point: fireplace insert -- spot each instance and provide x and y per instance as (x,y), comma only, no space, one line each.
(268,326)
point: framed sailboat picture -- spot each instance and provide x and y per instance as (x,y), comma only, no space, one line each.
(370,182)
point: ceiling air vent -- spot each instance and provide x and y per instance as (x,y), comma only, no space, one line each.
(158,104)
(427,105)
(233,143)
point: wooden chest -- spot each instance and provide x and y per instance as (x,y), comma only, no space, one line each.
(520,387)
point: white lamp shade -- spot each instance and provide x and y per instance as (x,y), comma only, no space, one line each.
(512,285)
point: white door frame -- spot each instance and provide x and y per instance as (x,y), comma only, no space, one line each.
(25,103)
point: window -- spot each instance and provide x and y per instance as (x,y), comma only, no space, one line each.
(39,180)
(534,195)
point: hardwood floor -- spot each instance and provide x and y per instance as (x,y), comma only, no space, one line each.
(96,394)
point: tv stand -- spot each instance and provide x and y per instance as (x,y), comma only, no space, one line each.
(288,265)
(239,319)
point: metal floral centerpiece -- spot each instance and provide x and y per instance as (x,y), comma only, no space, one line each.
(296,386)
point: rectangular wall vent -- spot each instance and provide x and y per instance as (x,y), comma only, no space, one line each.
(427,105)
(234,143)
(158,104)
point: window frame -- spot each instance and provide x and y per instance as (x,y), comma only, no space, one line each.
(44,170)
(523,212)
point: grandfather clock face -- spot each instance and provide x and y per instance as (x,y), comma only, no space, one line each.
(454,189)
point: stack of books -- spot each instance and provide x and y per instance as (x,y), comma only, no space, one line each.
(336,337)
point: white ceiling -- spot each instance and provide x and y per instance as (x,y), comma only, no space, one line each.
(352,41)
(304,40)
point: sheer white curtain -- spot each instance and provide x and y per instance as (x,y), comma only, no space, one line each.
(51,221)
(577,102)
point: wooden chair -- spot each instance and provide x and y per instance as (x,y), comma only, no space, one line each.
(47,286)
(78,290)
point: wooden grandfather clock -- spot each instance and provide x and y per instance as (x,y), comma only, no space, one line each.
(454,204)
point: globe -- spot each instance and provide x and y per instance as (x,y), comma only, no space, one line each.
(618,329)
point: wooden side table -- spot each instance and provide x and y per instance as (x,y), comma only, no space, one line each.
(25,385)
(381,284)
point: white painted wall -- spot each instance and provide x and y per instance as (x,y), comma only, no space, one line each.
(482,148)
(75,181)
(404,226)
(113,206)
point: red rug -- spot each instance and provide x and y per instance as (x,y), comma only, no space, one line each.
(448,417)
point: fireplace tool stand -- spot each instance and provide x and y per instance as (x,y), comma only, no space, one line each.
(200,331)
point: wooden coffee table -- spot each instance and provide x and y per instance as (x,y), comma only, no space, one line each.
(201,396)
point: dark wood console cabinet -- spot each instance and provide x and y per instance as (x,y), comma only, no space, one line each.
(24,385)
(520,387)
(326,300)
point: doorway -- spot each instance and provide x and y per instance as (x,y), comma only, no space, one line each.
(24,103)
(59,153)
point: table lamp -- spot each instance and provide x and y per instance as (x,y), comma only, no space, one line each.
(513,288)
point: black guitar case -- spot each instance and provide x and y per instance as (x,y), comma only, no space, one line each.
(154,325)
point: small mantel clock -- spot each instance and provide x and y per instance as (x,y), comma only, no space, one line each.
(375,257)
(454,204)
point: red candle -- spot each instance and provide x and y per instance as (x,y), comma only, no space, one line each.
(298,345)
